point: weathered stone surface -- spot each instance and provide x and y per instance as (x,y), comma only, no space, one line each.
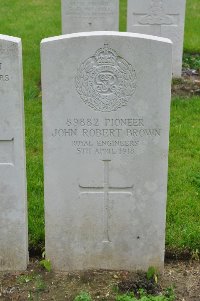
(13,213)
(164,18)
(89,15)
(106,104)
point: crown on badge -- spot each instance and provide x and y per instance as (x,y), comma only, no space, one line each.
(105,56)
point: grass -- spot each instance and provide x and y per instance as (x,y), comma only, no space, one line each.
(191,61)
(123,15)
(36,19)
(35,173)
(83,296)
(183,212)
(192,27)
(129,296)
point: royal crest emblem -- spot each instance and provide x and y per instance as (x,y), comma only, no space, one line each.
(105,81)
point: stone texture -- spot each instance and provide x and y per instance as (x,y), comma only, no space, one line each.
(164,18)
(13,213)
(106,104)
(89,15)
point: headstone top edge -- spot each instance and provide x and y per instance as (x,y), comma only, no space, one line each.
(106,33)
(10,39)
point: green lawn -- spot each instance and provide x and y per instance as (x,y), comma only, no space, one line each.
(35,19)
(123,15)
(192,27)
(183,212)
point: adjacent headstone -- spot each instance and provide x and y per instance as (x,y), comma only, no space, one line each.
(106,104)
(13,213)
(164,18)
(89,15)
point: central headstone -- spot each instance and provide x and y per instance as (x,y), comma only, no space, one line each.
(13,201)
(106,103)
(89,15)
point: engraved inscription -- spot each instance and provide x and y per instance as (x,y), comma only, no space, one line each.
(3,76)
(157,15)
(106,190)
(7,152)
(82,8)
(107,136)
(105,81)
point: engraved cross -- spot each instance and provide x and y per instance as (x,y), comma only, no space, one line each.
(106,190)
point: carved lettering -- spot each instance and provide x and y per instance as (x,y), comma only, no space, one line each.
(82,8)
(79,122)
(124,122)
(106,136)
(64,132)
(3,76)
(101,132)
(143,132)
(117,143)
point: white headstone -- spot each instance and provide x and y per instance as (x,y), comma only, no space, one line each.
(89,15)
(106,106)
(164,18)
(13,213)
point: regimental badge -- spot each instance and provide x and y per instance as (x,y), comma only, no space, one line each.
(157,15)
(105,81)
